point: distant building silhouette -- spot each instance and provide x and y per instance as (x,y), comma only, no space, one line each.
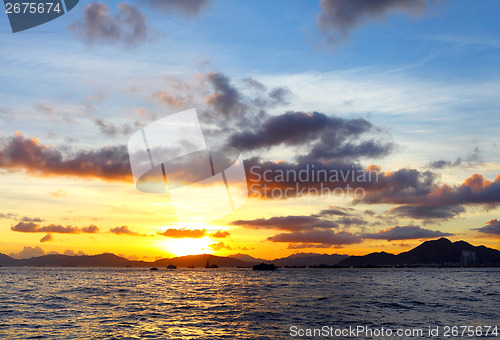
(468,258)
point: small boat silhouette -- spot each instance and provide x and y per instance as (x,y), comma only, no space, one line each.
(208,265)
(153,268)
(264,266)
(171,266)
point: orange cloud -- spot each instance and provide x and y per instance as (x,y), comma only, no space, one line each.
(183,233)
(31,227)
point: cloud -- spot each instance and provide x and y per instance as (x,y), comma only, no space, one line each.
(409,232)
(335,211)
(306,245)
(108,163)
(190,8)
(331,137)
(58,193)
(169,99)
(226,99)
(339,17)
(351,221)
(297,179)
(427,212)
(46,238)
(491,228)
(219,246)
(183,233)
(424,191)
(220,234)
(8,215)
(28,252)
(230,106)
(324,237)
(440,164)
(31,219)
(419,194)
(289,223)
(472,159)
(91,229)
(69,252)
(123,230)
(110,129)
(31,227)
(127,27)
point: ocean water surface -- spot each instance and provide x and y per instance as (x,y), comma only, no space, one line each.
(135,303)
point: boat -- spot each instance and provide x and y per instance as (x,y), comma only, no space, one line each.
(264,266)
(153,268)
(208,265)
(171,266)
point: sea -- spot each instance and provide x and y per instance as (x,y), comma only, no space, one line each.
(231,303)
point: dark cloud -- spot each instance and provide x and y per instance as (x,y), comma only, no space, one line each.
(31,227)
(265,177)
(330,137)
(424,191)
(472,159)
(232,107)
(219,246)
(220,234)
(339,17)
(289,223)
(307,245)
(427,212)
(326,150)
(8,215)
(123,230)
(225,99)
(91,229)
(418,194)
(46,238)
(190,8)
(280,95)
(351,221)
(113,130)
(127,27)
(440,164)
(491,228)
(31,219)
(323,237)
(183,233)
(405,233)
(108,163)
(334,211)
(255,84)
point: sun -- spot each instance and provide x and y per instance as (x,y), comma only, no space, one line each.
(186,246)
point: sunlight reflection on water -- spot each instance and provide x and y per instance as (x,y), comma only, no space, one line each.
(84,303)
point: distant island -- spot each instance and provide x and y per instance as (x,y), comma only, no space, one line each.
(441,253)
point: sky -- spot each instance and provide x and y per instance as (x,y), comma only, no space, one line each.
(403,92)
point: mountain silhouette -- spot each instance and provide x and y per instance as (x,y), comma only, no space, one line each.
(441,252)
